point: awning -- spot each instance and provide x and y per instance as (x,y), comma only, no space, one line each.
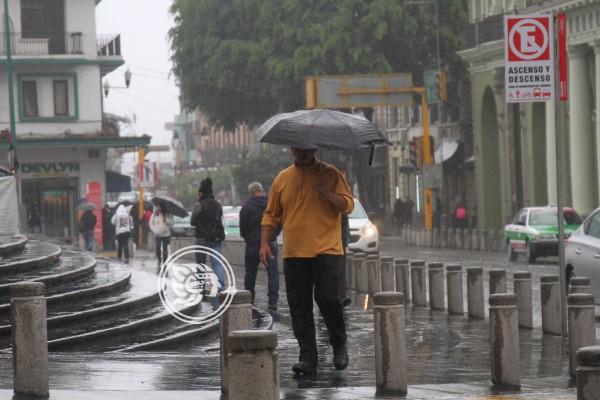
(445,149)
(117,183)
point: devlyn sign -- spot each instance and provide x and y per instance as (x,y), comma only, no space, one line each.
(50,169)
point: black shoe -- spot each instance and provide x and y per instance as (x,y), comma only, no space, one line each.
(304,368)
(346,302)
(272,307)
(340,357)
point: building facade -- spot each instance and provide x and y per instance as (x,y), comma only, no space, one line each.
(62,140)
(515,144)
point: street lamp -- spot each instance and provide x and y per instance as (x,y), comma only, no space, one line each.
(107,85)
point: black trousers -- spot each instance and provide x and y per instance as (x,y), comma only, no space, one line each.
(123,245)
(321,276)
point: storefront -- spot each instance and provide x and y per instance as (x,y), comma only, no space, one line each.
(57,175)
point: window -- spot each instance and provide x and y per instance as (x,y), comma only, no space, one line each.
(30,99)
(593,228)
(61,98)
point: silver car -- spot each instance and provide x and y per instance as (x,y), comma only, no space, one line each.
(583,252)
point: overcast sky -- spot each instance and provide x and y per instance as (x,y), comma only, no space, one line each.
(153,96)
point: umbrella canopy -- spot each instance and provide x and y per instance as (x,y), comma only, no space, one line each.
(174,207)
(87,206)
(320,129)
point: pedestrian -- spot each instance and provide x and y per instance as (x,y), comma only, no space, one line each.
(123,223)
(87,224)
(35,220)
(160,224)
(408,210)
(207,217)
(308,199)
(145,222)
(108,230)
(251,216)
(399,213)
(343,285)
(460,216)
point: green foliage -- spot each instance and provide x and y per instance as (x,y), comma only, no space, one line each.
(185,187)
(242,60)
(262,166)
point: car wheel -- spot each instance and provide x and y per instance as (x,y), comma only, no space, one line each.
(512,254)
(530,252)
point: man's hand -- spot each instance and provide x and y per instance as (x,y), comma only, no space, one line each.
(337,202)
(322,189)
(265,254)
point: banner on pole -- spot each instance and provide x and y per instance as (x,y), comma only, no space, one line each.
(9,206)
(529,58)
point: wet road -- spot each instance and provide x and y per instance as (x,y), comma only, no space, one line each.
(441,348)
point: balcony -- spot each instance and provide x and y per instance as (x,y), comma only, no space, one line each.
(62,43)
(488,30)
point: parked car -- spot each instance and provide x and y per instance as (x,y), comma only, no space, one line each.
(364,235)
(231,223)
(182,226)
(582,253)
(534,232)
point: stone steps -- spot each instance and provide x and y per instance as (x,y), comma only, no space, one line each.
(12,244)
(34,255)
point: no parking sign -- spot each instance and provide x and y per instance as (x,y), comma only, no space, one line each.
(529,58)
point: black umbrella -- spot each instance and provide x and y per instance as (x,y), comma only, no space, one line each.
(320,129)
(174,207)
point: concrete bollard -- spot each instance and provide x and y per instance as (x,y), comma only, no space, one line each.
(504,335)
(475,242)
(467,239)
(523,290)
(475,302)
(388,274)
(418,283)
(29,339)
(484,243)
(360,272)
(550,292)
(582,329)
(455,289)
(580,285)
(390,343)
(373,274)
(238,316)
(402,277)
(497,281)
(444,238)
(436,286)
(451,238)
(436,241)
(588,373)
(349,270)
(254,365)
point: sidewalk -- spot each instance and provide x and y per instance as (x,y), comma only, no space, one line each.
(448,358)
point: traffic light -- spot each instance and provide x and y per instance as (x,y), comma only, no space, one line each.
(442,84)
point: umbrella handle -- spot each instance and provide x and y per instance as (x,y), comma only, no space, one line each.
(371,154)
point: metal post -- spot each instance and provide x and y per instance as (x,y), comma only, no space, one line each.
(560,129)
(141,156)
(426,151)
(9,72)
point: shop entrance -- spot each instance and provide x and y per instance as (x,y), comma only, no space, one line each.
(54,200)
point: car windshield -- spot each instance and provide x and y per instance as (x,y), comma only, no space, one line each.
(231,220)
(549,217)
(358,212)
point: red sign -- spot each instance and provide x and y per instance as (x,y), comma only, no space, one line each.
(562,57)
(529,58)
(94,196)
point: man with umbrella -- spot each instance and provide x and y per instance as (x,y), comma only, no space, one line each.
(308,200)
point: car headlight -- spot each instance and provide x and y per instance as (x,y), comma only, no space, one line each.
(368,230)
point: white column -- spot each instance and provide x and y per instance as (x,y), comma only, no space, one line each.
(597,127)
(581,148)
(551,152)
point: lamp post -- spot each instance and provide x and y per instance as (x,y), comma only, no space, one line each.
(107,85)
(9,73)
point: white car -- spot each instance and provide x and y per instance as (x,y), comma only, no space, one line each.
(582,252)
(364,235)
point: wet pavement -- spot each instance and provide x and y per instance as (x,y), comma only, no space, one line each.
(448,356)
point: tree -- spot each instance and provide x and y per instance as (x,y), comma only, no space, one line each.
(243,60)
(262,166)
